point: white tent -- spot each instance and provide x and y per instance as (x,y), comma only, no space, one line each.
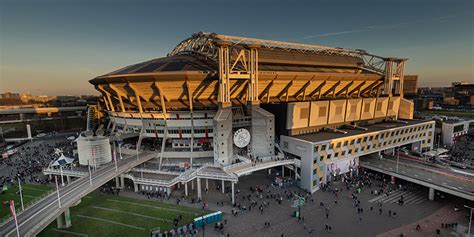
(63,160)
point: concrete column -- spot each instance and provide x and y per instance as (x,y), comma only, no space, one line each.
(67,218)
(122,181)
(64,220)
(431,194)
(168,191)
(233,193)
(296,173)
(135,187)
(199,188)
(223,187)
(68,179)
(50,176)
(192,184)
(269,171)
(60,222)
(282,171)
(179,185)
(117,182)
(207,184)
(186,189)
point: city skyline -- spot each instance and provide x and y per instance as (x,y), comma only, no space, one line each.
(65,44)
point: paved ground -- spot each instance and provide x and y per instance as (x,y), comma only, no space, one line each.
(343,217)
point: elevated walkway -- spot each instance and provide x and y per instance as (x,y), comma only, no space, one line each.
(38,215)
(422,175)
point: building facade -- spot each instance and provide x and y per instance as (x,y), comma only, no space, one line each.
(322,107)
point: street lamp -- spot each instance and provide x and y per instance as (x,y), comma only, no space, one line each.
(398,156)
(470,219)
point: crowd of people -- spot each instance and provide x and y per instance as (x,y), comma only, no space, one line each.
(27,164)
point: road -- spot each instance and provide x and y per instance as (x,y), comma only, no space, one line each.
(423,175)
(39,215)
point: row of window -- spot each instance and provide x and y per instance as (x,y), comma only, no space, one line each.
(379,136)
(182,131)
(377,143)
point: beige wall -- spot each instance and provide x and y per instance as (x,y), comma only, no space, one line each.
(337,110)
(353,110)
(368,107)
(319,113)
(381,105)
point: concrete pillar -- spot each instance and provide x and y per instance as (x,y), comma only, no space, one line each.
(233,193)
(64,220)
(50,176)
(179,185)
(282,171)
(431,194)
(186,189)
(122,181)
(296,173)
(199,188)
(168,191)
(269,171)
(207,184)
(135,187)
(60,222)
(223,187)
(117,182)
(68,179)
(192,184)
(67,218)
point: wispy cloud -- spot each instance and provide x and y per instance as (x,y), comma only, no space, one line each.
(381,27)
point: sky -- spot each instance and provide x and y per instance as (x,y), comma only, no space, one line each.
(55,47)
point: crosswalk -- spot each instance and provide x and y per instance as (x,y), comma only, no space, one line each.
(409,197)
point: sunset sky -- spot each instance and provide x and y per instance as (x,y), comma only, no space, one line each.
(55,46)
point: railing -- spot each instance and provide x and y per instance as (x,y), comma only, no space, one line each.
(154,171)
(259,166)
(64,172)
(28,204)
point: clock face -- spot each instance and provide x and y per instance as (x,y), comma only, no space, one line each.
(241,138)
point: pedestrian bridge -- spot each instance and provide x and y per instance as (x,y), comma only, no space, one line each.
(433,179)
(38,215)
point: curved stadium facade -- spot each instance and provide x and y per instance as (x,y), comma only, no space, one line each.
(323,107)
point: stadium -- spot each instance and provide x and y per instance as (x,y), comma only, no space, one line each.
(216,104)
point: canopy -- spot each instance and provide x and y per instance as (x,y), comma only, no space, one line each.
(63,160)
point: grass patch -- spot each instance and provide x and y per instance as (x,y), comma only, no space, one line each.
(30,192)
(106,215)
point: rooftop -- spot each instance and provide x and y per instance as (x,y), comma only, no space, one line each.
(328,135)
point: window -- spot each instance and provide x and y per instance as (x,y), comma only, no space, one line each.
(323,147)
(304,113)
(322,111)
(331,146)
(345,143)
(338,145)
(379,106)
(316,148)
(366,107)
(353,108)
(336,154)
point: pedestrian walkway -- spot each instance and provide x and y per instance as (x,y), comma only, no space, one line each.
(428,224)
(409,197)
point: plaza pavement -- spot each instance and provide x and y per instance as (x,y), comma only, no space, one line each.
(343,217)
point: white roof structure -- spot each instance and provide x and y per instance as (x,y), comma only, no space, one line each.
(63,160)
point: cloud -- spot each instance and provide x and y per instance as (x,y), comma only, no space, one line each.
(383,27)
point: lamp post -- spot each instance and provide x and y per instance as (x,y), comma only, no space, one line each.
(398,156)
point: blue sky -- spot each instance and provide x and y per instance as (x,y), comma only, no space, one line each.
(56,46)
